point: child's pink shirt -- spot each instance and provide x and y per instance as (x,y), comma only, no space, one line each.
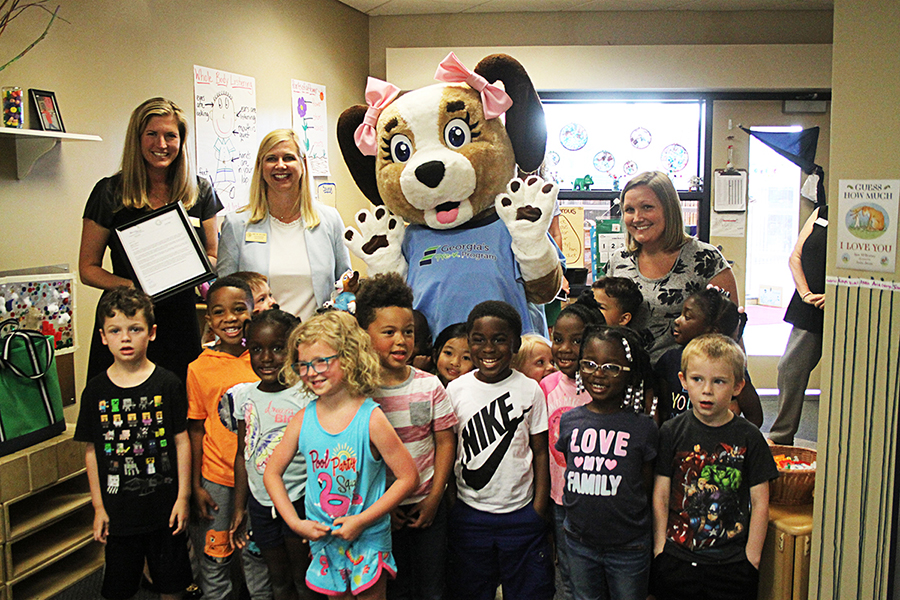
(561,397)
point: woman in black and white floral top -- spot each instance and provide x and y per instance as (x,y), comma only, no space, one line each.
(667,264)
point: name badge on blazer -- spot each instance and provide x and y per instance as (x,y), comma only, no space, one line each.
(822,222)
(195,222)
(255,236)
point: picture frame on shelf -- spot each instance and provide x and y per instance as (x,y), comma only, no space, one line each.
(46,109)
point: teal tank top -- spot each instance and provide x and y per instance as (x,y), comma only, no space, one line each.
(343,477)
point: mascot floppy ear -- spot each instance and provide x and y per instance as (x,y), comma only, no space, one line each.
(362,168)
(525,123)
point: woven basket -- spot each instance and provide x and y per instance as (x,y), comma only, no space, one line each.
(793,487)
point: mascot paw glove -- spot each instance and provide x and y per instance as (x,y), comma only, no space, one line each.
(378,242)
(526,207)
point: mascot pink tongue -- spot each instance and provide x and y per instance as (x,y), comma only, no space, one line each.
(459,247)
(447,216)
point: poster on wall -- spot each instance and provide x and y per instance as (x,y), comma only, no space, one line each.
(571,226)
(225,132)
(310,121)
(867,224)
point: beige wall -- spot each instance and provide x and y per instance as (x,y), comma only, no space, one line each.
(856,481)
(650,67)
(596,29)
(112,55)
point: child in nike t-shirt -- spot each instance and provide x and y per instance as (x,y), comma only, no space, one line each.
(498,524)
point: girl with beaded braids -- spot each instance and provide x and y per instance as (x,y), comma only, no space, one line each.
(609,445)
(562,396)
(707,311)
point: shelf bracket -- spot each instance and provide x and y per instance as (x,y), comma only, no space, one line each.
(29,150)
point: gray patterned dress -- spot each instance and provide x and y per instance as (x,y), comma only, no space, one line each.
(697,263)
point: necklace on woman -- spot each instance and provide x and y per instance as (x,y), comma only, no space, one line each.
(288,220)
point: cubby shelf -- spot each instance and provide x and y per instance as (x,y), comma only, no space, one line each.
(47,520)
(30,144)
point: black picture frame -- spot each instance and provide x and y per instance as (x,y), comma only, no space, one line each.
(189,238)
(46,110)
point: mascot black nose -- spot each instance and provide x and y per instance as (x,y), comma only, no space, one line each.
(431,173)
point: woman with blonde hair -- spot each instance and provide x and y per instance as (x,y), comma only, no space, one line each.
(283,233)
(156,171)
(666,264)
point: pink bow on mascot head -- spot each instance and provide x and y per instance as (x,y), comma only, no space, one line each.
(495,100)
(378,95)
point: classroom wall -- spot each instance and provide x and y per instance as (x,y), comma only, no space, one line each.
(604,28)
(111,55)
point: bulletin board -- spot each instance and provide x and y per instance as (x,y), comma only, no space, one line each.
(53,295)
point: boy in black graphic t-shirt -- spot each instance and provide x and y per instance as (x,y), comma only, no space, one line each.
(134,418)
(498,528)
(711,496)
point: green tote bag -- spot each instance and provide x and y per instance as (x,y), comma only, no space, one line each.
(30,399)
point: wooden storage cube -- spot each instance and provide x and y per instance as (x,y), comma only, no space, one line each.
(35,551)
(66,572)
(69,455)
(784,568)
(43,467)
(39,510)
(14,479)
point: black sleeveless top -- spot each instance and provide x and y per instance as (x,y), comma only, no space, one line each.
(812,261)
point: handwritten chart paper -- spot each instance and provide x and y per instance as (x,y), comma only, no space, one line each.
(225,132)
(310,121)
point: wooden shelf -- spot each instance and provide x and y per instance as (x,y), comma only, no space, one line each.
(81,563)
(35,512)
(30,144)
(40,549)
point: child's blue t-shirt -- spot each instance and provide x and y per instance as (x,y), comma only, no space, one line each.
(604,494)
(266,416)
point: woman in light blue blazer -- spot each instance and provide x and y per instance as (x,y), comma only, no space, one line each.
(283,233)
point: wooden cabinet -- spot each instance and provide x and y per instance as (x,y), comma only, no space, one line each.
(47,520)
(784,568)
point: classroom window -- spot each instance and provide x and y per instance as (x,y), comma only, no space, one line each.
(599,144)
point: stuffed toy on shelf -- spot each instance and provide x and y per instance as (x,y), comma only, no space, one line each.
(441,159)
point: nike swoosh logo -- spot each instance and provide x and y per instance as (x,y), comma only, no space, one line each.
(480,477)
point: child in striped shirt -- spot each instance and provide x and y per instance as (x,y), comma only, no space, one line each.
(417,406)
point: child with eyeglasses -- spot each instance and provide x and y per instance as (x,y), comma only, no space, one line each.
(563,394)
(347,442)
(609,449)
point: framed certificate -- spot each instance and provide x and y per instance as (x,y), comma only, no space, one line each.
(165,253)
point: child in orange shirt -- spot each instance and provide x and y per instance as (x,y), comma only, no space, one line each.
(213,439)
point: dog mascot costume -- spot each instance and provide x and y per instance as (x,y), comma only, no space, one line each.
(441,158)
